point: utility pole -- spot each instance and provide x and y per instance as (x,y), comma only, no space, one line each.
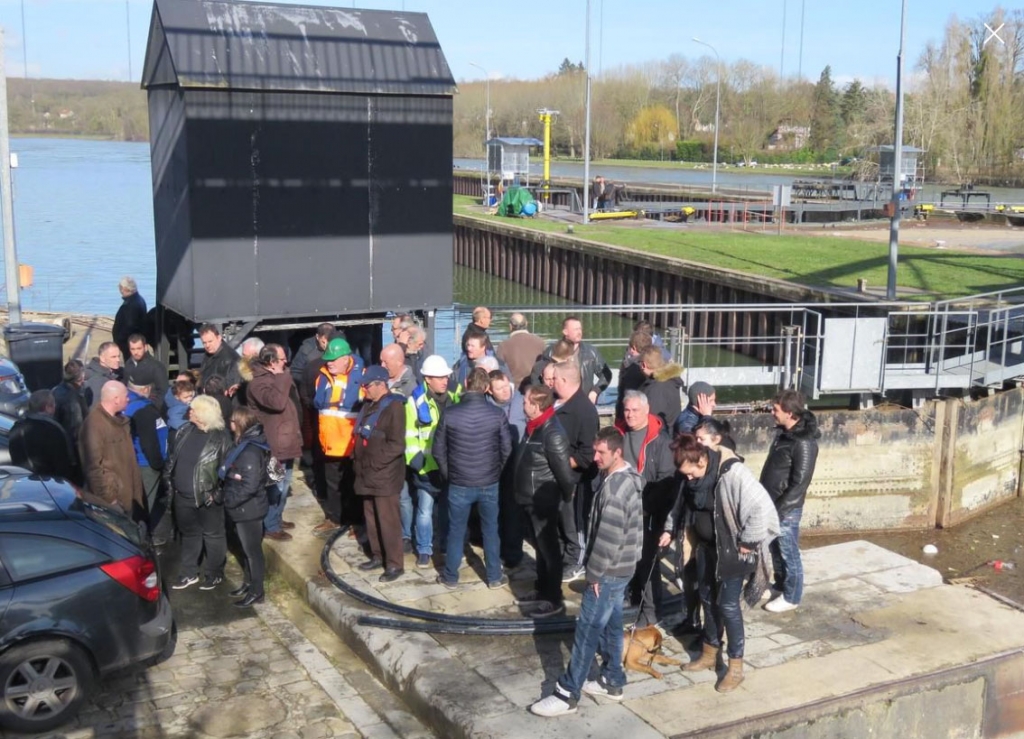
(7,201)
(586,129)
(800,59)
(128,25)
(782,54)
(897,165)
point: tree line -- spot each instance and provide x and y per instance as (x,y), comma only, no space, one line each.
(964,105)
(101,109)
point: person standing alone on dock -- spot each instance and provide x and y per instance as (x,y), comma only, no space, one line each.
(131,316)
(786,475)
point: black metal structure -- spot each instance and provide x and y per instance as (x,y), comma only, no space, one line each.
(301,162)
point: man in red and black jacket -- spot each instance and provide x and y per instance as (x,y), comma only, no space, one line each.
(647,450)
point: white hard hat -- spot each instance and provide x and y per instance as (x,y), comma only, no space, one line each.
(435,366)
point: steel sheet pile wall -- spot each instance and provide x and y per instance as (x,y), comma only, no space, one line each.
(598,274)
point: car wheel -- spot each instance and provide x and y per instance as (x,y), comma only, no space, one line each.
(42,685)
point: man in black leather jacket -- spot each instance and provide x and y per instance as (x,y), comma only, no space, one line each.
(542,481)
(786,475)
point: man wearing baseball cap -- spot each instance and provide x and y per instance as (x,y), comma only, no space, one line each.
(379,462)
(422,410)
(336,399)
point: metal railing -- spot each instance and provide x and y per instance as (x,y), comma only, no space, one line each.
(858,348)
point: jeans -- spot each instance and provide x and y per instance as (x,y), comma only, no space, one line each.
(250,535)
(424,518)
(200,528)
(789,569)
(598,632)
(272,521)
(460,502)
(721,601)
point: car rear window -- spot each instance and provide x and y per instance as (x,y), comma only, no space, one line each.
(27,556)
(114,521)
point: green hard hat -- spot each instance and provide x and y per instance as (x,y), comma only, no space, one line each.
(337,348)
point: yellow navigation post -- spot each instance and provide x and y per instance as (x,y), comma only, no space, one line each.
(545,118)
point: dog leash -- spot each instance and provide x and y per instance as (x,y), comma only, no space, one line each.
(643,591)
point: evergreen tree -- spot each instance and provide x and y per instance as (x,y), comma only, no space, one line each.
(825,118)
(853,104)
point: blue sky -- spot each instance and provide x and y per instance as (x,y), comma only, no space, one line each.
(89,38)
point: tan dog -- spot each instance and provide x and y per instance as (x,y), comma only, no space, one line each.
(642,648)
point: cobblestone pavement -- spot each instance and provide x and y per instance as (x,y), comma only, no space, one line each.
(246,674)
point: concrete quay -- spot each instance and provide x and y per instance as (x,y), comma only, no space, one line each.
(880,647)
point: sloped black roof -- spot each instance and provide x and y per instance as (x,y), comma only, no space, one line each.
(231,45)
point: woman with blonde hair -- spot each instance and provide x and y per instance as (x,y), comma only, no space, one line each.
(245,477)
(191,477)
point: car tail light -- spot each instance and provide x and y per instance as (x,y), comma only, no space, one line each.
(138,574)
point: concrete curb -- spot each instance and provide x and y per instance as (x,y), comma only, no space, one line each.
(885,667)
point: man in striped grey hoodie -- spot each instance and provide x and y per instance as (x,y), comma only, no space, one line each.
(613,548)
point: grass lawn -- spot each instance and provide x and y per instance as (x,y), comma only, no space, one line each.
(817,261)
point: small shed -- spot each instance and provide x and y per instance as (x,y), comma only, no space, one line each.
(302,160)
(509,157)
(910,173)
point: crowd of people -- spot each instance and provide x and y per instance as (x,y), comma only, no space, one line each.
(419,457)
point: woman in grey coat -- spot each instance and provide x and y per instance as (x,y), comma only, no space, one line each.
(733,522)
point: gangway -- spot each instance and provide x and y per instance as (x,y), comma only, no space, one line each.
(855,349)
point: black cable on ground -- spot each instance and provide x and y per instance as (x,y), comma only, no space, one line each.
(529,628)
(440,623)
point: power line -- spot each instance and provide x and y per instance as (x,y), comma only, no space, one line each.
(128,26)
(24,40)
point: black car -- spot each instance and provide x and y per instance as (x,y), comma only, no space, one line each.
(80,596)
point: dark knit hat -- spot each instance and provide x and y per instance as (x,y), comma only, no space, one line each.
(699,388)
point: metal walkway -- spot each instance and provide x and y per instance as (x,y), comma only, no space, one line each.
(857,349)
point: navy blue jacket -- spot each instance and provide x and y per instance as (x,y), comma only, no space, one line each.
(472,442)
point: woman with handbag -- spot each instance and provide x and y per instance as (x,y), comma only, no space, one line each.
(244,473)
(733,522)
(191,476)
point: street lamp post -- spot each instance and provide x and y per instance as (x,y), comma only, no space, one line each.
(718,100)
(897,167)
(487,113)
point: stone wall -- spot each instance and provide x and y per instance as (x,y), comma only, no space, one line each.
(891,468)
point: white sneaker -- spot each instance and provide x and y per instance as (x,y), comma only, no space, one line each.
(770,592)
(555,704)
(781,605)
(600,688)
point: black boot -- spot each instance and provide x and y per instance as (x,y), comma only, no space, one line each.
(241,590)
(249,600)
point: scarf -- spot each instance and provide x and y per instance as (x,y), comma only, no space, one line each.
(539,421)
(703,486)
